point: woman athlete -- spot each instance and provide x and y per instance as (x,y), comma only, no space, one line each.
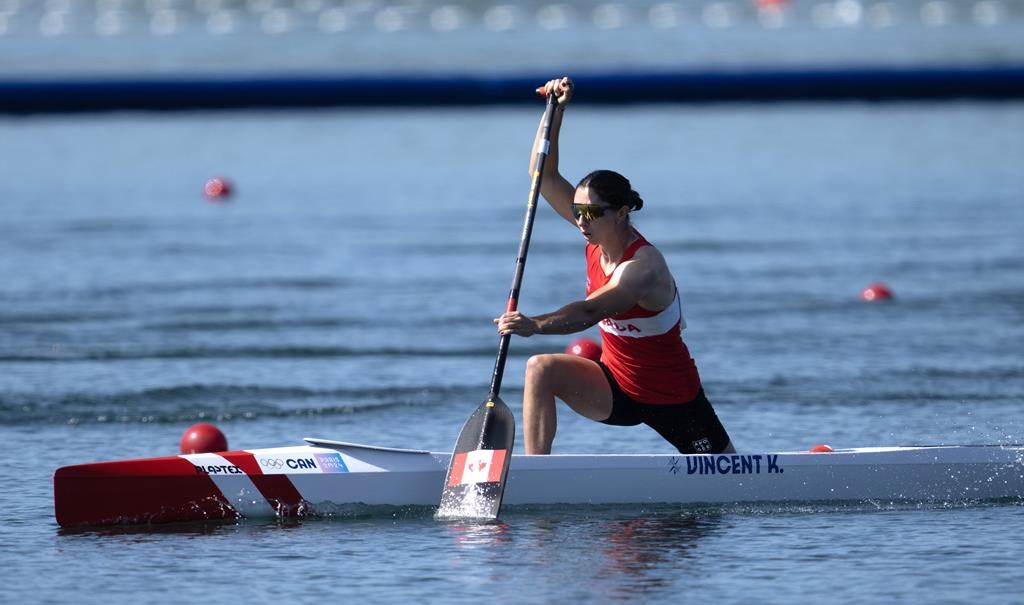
(646,374)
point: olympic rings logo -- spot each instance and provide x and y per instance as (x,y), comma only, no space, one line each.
(271,462)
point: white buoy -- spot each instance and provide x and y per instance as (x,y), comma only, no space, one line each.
(448,18)
(609,16)
(164,23)
(553,16)
(665,15)
(502,17)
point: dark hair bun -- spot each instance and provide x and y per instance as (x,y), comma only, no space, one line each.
(636,202)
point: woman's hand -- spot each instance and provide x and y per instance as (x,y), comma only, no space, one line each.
(514,322)
(562,88)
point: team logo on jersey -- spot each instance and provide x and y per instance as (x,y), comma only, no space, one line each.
(638,327)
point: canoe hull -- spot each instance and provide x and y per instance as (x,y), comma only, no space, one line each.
(330,476)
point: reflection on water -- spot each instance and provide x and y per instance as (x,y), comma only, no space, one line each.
(196,529)
(191,529)
(614,552)
(639,551)
(472,535)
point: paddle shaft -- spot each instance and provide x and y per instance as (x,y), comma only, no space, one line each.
(524,242)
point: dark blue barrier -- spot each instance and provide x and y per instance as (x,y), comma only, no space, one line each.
(179,93)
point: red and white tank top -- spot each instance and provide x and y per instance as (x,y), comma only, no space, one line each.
(644,349)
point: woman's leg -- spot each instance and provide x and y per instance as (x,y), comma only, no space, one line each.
(578,382)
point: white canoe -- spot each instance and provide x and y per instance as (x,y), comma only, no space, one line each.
(326,476)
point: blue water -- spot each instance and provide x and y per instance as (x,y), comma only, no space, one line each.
(346,292)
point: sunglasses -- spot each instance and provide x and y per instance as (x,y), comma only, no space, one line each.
(589,212)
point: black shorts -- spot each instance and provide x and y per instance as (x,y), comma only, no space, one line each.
(692,427)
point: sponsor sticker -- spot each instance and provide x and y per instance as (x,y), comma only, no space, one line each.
(218,469)
(305,464)
(213,465)
(331,463)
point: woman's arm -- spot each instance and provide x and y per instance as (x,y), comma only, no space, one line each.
(554,187)
(629,284)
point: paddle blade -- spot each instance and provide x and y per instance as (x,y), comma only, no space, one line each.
(475,482)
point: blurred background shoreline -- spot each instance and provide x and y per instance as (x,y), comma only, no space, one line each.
(60,55)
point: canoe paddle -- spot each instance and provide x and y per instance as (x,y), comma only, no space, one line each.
(475,482)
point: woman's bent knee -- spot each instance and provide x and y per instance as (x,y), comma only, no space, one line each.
(539,367)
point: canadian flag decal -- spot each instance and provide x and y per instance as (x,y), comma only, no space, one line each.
(478,466)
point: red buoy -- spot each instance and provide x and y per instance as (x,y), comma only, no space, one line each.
(875,292)
(217,189)
(821,449)
(203,438)
(584,347)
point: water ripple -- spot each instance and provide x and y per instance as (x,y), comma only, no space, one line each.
(194,402)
